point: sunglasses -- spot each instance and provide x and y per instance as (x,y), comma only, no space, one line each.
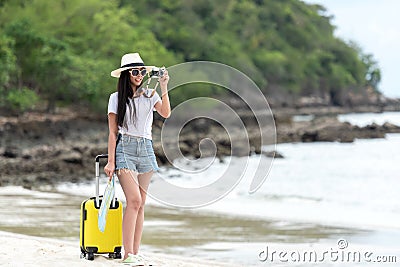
(135,72)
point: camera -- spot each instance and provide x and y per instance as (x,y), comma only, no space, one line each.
(157,72)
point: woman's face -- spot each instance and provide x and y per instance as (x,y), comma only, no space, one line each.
(137,75)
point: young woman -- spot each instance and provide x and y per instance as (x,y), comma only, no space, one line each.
(130,147)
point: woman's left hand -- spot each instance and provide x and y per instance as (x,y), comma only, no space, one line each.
(164,80)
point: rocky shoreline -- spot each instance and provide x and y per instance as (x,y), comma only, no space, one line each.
(43,150)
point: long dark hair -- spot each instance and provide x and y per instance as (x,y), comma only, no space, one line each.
(125,93)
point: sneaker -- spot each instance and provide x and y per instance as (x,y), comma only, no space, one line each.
(133,260)
(145,259)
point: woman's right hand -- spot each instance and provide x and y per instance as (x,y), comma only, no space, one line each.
(109,169)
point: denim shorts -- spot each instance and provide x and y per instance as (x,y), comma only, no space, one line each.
(135,153)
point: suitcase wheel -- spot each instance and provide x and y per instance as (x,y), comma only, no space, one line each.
(89,256)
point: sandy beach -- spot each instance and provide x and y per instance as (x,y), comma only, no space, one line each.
(21,250)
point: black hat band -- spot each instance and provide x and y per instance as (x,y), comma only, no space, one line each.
(132,65)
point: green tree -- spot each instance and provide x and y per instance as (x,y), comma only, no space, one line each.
(63,51)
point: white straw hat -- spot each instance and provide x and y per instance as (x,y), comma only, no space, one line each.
(129,61)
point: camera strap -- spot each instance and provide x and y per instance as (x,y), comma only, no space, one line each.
(141,91)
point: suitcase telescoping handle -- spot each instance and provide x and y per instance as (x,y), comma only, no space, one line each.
(97,167)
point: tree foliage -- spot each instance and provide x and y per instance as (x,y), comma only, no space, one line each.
(63,51)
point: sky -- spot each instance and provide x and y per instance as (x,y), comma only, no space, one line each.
(375,26)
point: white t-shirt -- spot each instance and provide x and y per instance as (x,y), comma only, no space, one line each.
(142,123)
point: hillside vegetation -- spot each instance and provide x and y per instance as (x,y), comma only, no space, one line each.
(59,53)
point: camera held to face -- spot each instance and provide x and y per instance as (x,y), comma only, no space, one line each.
(157,72)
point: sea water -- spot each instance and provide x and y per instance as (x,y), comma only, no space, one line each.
(352,184)
(346,184)
(364,119)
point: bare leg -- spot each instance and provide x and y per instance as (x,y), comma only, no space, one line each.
(144,181)
(130,186)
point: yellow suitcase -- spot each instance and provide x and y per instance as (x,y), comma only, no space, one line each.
(92,240)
